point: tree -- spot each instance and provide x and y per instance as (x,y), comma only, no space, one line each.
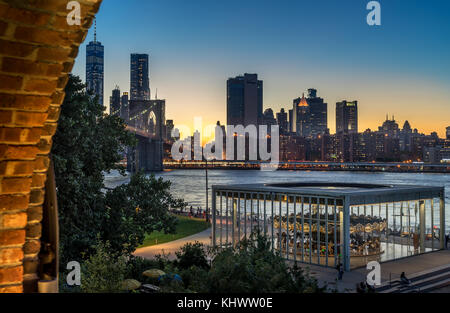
(136,209)
(103,272)
(87,144)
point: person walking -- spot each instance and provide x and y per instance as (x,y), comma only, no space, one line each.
(340,270)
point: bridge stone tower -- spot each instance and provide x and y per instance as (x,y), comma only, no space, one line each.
(147,120)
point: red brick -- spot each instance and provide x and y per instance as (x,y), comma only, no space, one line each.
(16,168)
(15,185)
(23,118)
(53,113)
(20,135)
(25,102)
(37,196)
(67,67)
(11,274)
(31,246)
(12,237)
(58,97)
(46,36)
(22,66)
(27,17)
(34,230)
(44,146)
(3,8)
(12,289)
(11,82)
(34,213)
(18,152)
(13,202)
(16,49)
(6,117)
(49,129)
(53,6)
(53,54)
(11,255)
(30,265)
(41,164)
(38,180)
(40,85)
(62,81)
(3,27)
(14,220)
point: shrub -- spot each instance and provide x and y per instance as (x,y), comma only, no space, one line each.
(251,267)
(192,254)
(103,271)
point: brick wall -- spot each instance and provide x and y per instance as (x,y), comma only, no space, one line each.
(37,51)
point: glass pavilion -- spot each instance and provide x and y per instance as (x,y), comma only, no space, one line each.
(331,223)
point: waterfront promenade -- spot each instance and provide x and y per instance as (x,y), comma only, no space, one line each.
(173,246)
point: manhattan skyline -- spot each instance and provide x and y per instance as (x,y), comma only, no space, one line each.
(399,68)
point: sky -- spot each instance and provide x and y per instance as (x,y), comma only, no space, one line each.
(400,68)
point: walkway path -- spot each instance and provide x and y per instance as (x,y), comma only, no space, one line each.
(173,246)
(410,265)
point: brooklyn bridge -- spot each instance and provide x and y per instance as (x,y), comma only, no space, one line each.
(146,119)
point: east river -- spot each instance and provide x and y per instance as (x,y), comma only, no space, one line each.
(190,184)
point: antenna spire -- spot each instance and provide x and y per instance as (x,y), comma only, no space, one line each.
(95,30)
(156,94)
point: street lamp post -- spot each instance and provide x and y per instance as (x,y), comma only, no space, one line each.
(206,172)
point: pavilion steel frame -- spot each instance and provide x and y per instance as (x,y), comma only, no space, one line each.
(238,210)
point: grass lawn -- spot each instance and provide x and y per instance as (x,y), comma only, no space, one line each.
(186,226)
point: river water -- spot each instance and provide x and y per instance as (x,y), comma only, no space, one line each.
(190,184)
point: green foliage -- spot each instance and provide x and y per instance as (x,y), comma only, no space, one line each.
(103,272)
(251,267)
(87,144)
(192,254)
(137,208)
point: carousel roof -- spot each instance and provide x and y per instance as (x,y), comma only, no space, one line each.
(355,193)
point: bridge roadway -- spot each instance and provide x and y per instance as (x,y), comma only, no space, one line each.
(139,132)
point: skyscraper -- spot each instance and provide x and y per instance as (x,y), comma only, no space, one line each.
(169,128)
(282,121)
(244,100)
(347,117)
(95,67)
(124,112)
(319,114)
(114,102)
(301,117)
(139,79)
(447,133)
(309,115)
(268,117)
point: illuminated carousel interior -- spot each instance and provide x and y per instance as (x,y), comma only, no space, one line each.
(311,229)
